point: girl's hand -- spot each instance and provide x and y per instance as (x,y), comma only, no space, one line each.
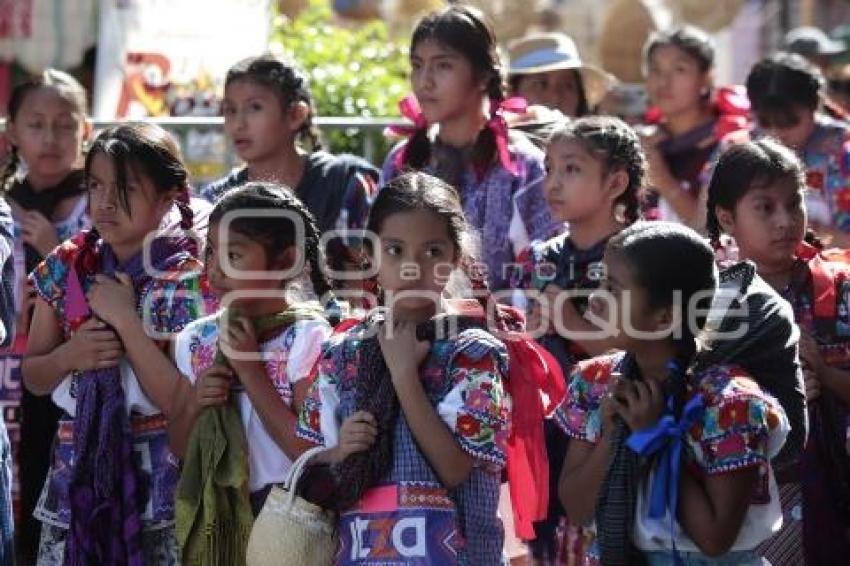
(113,300)
(608,405)
(94,346)
(240,346)
(357,434)
(213,386)
(810,355)
(403,352)
(640,404)
(38,232)
(812,384)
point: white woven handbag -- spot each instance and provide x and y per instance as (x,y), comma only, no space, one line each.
(291,531)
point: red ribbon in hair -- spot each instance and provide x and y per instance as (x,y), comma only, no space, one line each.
(499,127)
(410,109)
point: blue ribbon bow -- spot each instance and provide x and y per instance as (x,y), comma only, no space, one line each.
(666,437)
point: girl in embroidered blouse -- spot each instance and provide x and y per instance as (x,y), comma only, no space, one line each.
(417,419)
(108,300)
(457,85)
(595,168)
(756,196)
(251,241)
(258,351)
(43,183)
(787,94)
(724,497)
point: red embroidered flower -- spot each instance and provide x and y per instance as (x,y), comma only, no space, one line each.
(468,425)
(736,412)
(314,420)
(814,179)
(842,199)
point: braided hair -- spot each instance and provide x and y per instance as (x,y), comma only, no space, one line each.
(617,145)
(466,30)
(288,83)
(754,164)
(65,85)
(147,150)
(277,232)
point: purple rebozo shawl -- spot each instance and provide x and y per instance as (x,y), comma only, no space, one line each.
(105,494)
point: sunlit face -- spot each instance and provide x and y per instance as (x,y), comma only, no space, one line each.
(574,184)
(559,90)
(243,256)
(675,83)
(623,303)
(124,229)
(768,224)
(444,83)
(48,131)
(415,256)
(255,121)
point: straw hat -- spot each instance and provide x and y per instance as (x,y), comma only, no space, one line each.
(543,52)
(625,27)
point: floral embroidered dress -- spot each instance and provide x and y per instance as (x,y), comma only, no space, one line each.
(288,357)
(509,211)
(826,156)
(410,518)
(166,304)
(741,427)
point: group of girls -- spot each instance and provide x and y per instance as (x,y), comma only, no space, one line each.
(191,367)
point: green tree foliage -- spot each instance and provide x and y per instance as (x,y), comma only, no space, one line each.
(355,71)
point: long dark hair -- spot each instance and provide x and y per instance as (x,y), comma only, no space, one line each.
(276,232)
(148,151)
(747,166)
(288,83)
(466,30)
(618,146)
(374,390)
(65,85)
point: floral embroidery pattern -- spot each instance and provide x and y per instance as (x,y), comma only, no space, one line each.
(732,434)
(827,160)
(469,370)
(176,299)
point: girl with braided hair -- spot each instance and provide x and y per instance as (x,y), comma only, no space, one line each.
(756,196)
(459,134)
(414,402)
(108,301)
(671,445)
(594,174)
(268,116)
(43,183)
(246,367)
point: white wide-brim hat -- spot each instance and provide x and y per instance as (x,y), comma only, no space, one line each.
(544,52)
